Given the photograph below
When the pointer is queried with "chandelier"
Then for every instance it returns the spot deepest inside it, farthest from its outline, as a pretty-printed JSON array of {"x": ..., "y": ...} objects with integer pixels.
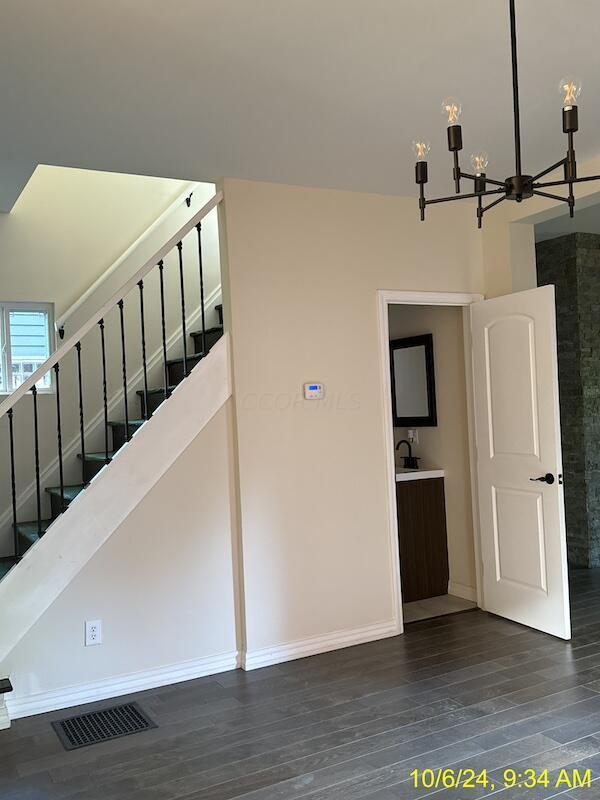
[{"x": 519, "y": 187}]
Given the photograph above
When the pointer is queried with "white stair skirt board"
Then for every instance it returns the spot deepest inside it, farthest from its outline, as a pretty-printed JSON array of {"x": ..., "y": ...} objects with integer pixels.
[
  {"x": 277, "y": 654},
  {"x": 41, "y": 702},
  {"x": 52, "y": 563},
  {"x": 460, "y": 590}
]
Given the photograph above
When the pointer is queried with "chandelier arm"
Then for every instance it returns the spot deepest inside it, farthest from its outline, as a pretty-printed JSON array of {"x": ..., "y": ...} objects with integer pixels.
[
  {"x": 558, "y": 164},
  {"x": 462, "y": 196},
  {"x": 491, "y": 205},
  {"x": 551, "y": 196},
  {"x": 515, "y": 82},
  {"x": 487, "y": 180},
  {"x": 564, "y": 182}
]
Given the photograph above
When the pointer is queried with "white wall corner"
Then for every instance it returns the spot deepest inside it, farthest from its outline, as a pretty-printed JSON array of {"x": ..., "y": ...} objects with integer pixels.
[
  {"x": 465, "y": 592},
  {"x": 277, "y": 654},
  {"x": 27, "y": 705},
  {"x": 522, "y": 256},
  {"x": 4, "y": 715}
]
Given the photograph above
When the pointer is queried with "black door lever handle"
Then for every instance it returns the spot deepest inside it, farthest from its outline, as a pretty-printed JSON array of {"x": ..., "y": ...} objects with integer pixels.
[{"x": 547, "y": 478}]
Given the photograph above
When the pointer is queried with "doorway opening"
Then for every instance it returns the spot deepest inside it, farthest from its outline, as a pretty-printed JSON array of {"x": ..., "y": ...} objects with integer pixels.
[
  {"x": 428, "y": 342},
  {"x": 431, "y": 446},
  {"x": 510, "y": 458}
]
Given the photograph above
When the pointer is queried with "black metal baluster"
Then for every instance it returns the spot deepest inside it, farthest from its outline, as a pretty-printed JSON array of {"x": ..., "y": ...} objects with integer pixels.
[
  {"x": 161, "y": 267},
  {"x": 37, "y": 459},
  {"x": 13, "y": 480},
  {"x": 81, "y": 420},
  {"x": 61, "y": 475},
  {"x": 104, "y": 391},
  {"x": 144, "y": 365},
  {"x": 200, "y": 266},
  {"x": 182, "y": 292},
  {"x": 124, "y": 364}
]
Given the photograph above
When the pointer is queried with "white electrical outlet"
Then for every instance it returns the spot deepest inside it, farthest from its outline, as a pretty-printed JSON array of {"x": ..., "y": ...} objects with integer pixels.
[
  {"x": 413, "y": 436},
  {"x": 93, "y": 632}
]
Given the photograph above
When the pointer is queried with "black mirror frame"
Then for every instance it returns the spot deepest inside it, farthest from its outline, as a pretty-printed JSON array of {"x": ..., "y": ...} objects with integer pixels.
[{"x": 429, "y": 421}]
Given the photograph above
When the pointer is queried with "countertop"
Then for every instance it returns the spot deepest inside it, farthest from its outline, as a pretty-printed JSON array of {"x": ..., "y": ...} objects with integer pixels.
[{"x": 418, "y": 474}]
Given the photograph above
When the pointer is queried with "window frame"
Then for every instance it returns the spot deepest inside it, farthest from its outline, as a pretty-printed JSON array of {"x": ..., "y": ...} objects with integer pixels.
[{"x": 5, "y": 341}]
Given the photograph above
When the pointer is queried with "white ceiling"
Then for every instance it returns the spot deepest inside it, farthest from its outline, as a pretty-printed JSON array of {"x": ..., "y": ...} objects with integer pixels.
[{"x": 314, "y": 92}]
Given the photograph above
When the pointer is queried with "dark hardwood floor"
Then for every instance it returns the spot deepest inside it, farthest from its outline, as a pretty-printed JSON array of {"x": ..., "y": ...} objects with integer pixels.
[{"x": 468, "y": 690}]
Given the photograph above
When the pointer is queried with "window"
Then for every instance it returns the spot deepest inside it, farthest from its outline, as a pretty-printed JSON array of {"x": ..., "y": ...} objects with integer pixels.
[{"x": 25, "y": 343}]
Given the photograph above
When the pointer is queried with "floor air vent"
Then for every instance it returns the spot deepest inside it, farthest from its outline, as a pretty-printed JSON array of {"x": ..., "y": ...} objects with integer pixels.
[{"x": 101, "y": 726}]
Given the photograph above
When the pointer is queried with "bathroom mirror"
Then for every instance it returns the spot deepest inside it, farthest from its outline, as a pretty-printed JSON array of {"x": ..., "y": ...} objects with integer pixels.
[{"x": 413, "y": 382}]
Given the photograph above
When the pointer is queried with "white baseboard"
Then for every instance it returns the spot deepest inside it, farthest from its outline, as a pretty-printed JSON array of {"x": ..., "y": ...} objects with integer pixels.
[
  {"x": 41, "y": 702},
  {"x": 254, "y": 659},
  {"x": 460, "y": 590}
]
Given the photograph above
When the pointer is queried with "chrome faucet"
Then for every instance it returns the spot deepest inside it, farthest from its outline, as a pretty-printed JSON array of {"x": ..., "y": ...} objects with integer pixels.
[{"x": 410, "y": 461}]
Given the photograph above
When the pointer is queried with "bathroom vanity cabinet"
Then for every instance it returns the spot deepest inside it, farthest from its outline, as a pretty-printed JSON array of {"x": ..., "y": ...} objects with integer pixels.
[{"x": 422, "y": 534}]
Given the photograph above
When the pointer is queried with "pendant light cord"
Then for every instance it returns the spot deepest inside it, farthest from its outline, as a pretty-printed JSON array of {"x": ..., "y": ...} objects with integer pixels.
[{"x": 515, "y": 80}]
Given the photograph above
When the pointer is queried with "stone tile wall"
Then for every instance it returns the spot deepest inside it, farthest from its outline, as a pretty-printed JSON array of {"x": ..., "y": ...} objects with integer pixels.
[{"x": 572, "y": 264}]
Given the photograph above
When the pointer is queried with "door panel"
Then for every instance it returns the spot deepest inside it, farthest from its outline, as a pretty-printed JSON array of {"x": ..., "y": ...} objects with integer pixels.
[
  {"x": 519, "y": 538},
  {"x": 523, "y": 540},
  {"x": 510, "y": 350}
]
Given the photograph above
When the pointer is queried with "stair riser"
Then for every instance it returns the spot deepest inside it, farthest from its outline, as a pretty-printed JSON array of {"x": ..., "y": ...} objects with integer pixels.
[
  {"x": 176, "y": 374},
  {"x": 154, "y": 400},
  {"x": 56, "y": 507},
  {"x": 91, "y": 469},
  {"x": 24, "y": 544},
  {"x": 211, "y": 339},
  {"x": 118, "y": 435}
]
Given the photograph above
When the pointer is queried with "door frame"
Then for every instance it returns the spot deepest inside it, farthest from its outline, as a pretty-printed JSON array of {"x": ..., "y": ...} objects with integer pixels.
[{"x": 385, "y": 299}]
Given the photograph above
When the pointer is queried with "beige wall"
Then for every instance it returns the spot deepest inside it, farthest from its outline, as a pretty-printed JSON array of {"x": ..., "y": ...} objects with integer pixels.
[
  {"x": 304, "y": 269},
  {"x": 447, "y": 445},
  {"x": 162, "y": 584}
]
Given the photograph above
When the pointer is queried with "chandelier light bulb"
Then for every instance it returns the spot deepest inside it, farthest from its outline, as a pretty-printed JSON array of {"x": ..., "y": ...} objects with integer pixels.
[
  {"x": 570, "y": 88},
  {"x": 452, "y": 108},
  {"x": 479, "y": 162},
  {"x": 421, "y": 149}
]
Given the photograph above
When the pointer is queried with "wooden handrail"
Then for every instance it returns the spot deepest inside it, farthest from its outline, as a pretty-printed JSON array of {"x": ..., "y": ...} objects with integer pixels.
[{"x": 70, "y": 343}]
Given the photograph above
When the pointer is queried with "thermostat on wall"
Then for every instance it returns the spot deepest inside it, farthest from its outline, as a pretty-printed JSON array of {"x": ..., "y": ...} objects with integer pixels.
[{"x": 313, "y": 391}]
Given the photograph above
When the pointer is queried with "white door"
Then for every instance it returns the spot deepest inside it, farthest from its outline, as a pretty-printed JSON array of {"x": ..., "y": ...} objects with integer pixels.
[{"x": 523, "y": 538}]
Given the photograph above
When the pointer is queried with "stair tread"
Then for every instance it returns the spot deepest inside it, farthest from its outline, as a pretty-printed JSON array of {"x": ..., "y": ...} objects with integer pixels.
[
  {"x": 156, "y": 391},
  {"x": 96, "y": 456},
  {"x": 70, "y": 492},
  {"x": 190, "y": 357},
  {"x": 26, "y": 528},
  {"x": 214, "y": 329},
  {"x": 132, "y": 422},
  {"x": 28, "y": 531}
]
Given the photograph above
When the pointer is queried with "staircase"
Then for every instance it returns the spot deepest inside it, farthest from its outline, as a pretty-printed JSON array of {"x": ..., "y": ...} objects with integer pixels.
[
  {"x": 195, "y": 345},
  {"x": 28, "y": 533}
]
